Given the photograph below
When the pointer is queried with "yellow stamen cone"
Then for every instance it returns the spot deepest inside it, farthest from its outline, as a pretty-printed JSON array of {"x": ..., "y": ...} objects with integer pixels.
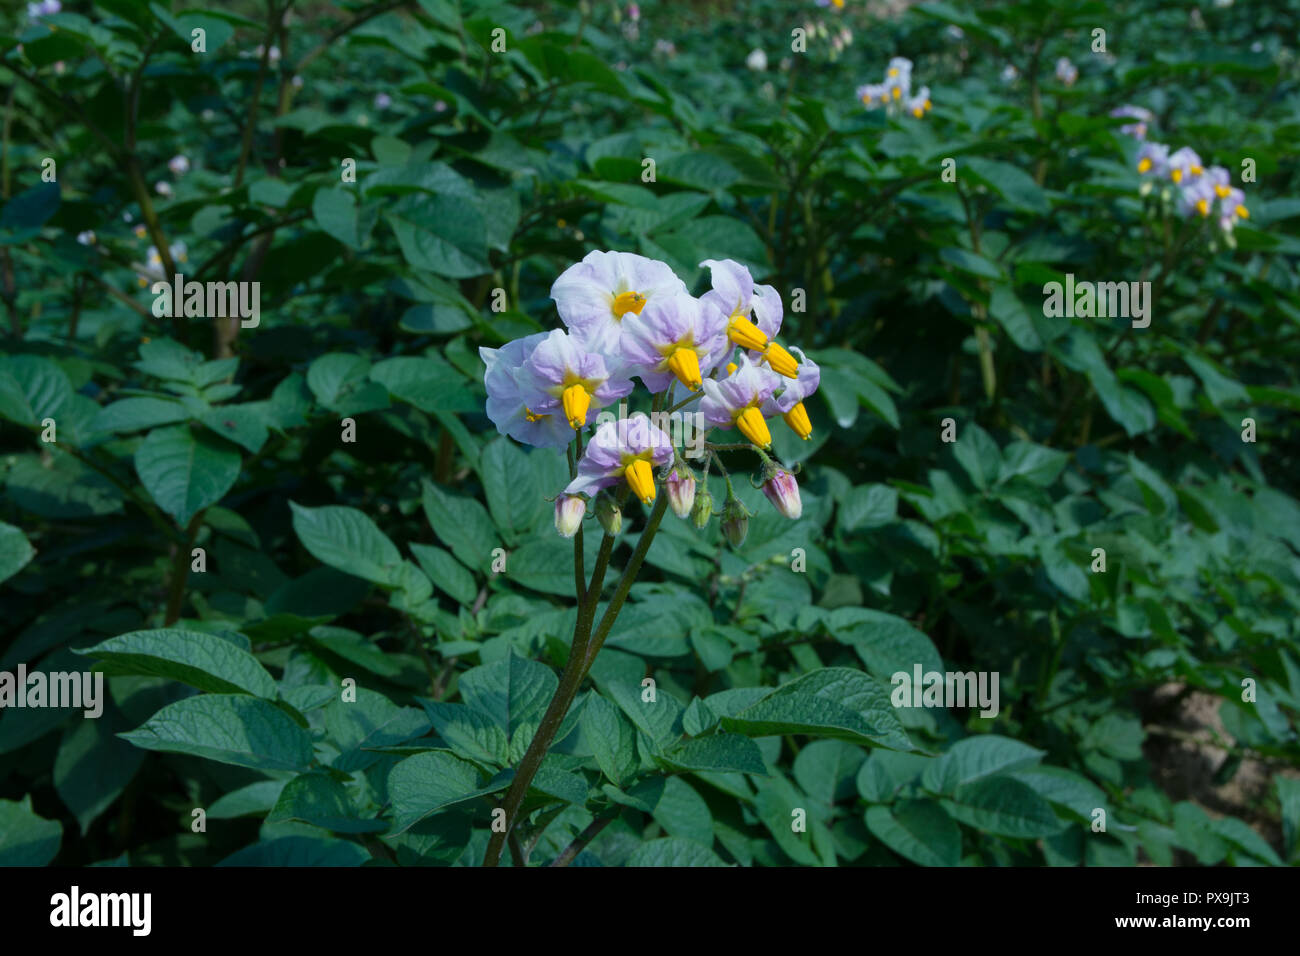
[
  {"x": 746, "y": 334},
  {"x": 685, "y": 364},
  {"x": 1144, "y": 164},
  {"x": 1222, "y": 191},
  {"x": 897, "y": 93},
  {"x": 731, "y": 368},
  {"x": 640, "y": 478},
  {"x": 782, "y": 362},
  {"x": 1197, "y": 170},
  {"x": 626, "y": 302},
  {"x": 531, "y": 415},
  {"x": 798, "y": 420},
  {"x": 576, "y": 402},
  {"x": 1176, "y": 175},
  {"x": 752, "y": 426},
  {"x": 1203, "y": 207},
  {"x": 1243, "y": 212}
]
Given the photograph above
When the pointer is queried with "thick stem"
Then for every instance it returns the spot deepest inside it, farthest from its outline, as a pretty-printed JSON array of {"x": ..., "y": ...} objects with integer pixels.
[{"x": 581, "y": 656}]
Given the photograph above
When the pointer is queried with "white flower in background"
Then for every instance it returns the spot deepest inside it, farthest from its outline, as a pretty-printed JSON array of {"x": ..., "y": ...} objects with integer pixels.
[
  {"x": 140, "y": 231},
  {"x": 1066, "y": 71},
  {"x": 296, "y": 81},
  {"x": 163, "y": 188},
  {"x": 665, "y": 48},
  {"x": 179, "y": 165},
  {"x": 383, "y": 101},
  {"x": 1010, "y": 74},
  {"x": 86, "y": 238},
  {"x": 43, "y": 9},
  {"x": 954, "y": 32},
  {"x": 757, "y": 60}
]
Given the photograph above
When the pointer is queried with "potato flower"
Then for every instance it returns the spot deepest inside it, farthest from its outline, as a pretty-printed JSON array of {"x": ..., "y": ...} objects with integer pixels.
[
  {"x": 595, "y": 295},
  {"x": 736, "y": 401},
  {"x": 675, "y": 336},
  {"x": 571, "y": 378},
  {"x": 735, "y": 293},
  {"x": 628, "y": 449}
]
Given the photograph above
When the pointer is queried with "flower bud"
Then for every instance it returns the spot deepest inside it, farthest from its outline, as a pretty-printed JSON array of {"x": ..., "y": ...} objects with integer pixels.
[
  {"x": 569, "y": 510},
  {"x": 703, "y": 508},
  {"x": 783, "y": 491},
  {"x": 608, "y": 514},
  {"x": 735, "y": 522},
  {"x": 681, "y": 491}
]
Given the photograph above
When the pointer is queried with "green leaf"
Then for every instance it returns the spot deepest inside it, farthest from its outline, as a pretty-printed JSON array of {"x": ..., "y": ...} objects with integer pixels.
[
  {"x": 659, "y": 719},
  {"x": 242, "y": 424},
  {"x": 201, "y": 660},
  {"x": 612, "y": 740},
  {"x": 25, "y": 838},
  {"x": 917, "y": 830},
  {"x": 512, "y": 693},
  {"x": 868, "y": 506},
  {"x": 15, "y": 551},
  {"x": 322, "y": 801},
  {"x": 429, "y": 384},
  {"x": 346, "y": 539},
  {"x": 1010, "y": 182},
  {"x": 978, "y": 454},
  {"x": 835, "y": 702},
  {"x": 720, "y": 753},
  {"x": 673, "y": 851},
  {"x": 471, "y": 734},
  {"x": 32, "y": 389},
  {"x": 22, "y": 217},
  {"x": 977, "y": 757},
  {"x": 228, "y": 728},
  {"x": 511, "y": 486},
  {"x": 94, "y": 766},
  {"x": 298, "y": 851},
  {"x": 185, "y": 472},
  {"x": 1035, "y": 463},
  {"x": 827, "y": 769},
  {"x": 424, "y": 783},
  {"x": 463, "y": 525},
  {"x": 137, "y": 414},
  {"x": 335, "y": 211},
  {"x": 447, "y": 574},
  {"x": 1005, "y": 806}
]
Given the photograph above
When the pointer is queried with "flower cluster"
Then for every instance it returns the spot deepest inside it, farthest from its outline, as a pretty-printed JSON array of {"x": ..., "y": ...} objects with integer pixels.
[
  {"x": 628, "y": 317},
  {"x": 1183, "y": 180},
  {"x": 895, "y": 93},
  {"x": 1066, "y": 72}
]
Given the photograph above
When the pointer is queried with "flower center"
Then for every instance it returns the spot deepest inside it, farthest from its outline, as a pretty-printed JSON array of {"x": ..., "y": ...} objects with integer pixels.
[
  {"x": 533, "y": 416},
  {"x": 685, "y": 364},
  {"x": 576, "y": 401},
  {"x": 626, "y": 302}
]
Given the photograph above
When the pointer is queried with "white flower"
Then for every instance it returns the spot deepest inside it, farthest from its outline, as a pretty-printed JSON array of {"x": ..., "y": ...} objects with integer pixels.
[
  {"x": 179, "y": 165},
  {"x": 163, "y": 188},
  {"x": 86, "y": 238},
  {"x": 757, "y": 60}
]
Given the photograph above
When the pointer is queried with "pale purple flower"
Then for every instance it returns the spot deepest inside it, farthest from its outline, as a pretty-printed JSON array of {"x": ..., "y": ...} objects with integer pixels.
[
  {"x": 571, "y": 378},
  {"x": 1153, "y": 159},
  {"x": 179, "y": 165},
  {"x": 873, "y": 95},
  {"x": 629, "y": 448},
  {"x": 737, "y": 400},
  {"x": 163, "y": 188},
  {"x": 1143, "y": 117},
  {"x": 783, "y": 491},
  {"x": 1184, "y": 165},
  {"x": 595, "y": 295},
  {"x": 510, "y": 389},
  {"x": 383, "y": 101},
  {"x": 633, "y": 12},
  {"x": 1066, "y": 72},
  {"x": 676, "y": 336}
]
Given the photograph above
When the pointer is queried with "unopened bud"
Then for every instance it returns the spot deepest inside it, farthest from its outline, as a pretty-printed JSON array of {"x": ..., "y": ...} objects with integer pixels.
[
  {"x": 681, "y": 491},
  {"x": 608, "y": 514},
  {"x": 569, "y": 510},
  {"x": 703, "y": 508},
  {"x": 735, "y": 522},
  {"x": 783, "y": 491}
]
